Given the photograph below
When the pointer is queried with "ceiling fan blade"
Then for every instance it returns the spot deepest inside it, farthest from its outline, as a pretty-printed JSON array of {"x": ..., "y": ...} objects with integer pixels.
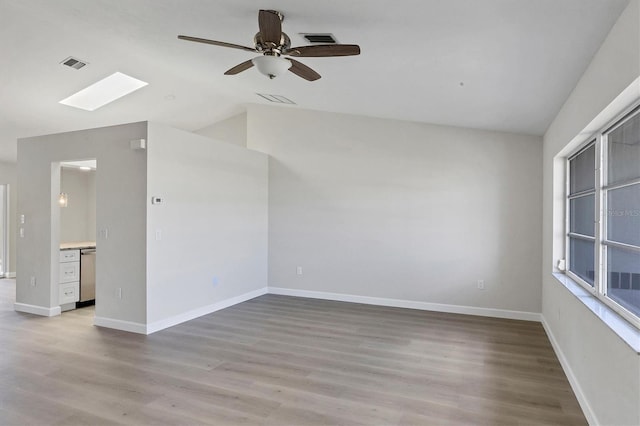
[
  {"x": 216, "y": 43},
  {"x": 301, "y": 70},
  {"x": 320, "y": 50},
  {"x": 270, "y": 25},
  {"x": 239, "y": 68}
]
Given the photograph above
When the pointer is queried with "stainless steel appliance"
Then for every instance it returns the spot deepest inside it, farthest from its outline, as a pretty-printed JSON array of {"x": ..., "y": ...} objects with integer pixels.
[{"x": 87, "y": 276}]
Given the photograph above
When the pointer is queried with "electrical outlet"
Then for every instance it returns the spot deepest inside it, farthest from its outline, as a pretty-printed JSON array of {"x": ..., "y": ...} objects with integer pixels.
[
  {"x": 158, "y": 234},
  {"x": 104, "y": 233},
  {"x": 32, "y": 281},
  {"x": 119, "y": 293},
  {"x": 21, "y": 232},
  {"x": 480, "y": 284},
  {"x": 299, "y": 270}
]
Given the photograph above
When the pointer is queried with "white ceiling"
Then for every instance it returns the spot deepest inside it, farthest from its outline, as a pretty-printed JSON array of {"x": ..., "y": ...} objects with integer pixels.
[{"x": 518, "y": 60}]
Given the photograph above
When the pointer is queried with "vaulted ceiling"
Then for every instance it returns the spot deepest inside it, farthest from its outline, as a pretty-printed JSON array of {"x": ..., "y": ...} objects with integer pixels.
[{"x": 492, "y": 64}]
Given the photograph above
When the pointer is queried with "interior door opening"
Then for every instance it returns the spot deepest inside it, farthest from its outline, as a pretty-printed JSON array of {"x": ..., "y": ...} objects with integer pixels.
[{"x": 77, "y": 203}]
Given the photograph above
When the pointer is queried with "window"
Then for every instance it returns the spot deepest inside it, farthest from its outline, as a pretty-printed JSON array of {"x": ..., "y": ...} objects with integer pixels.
[
  {"x": 603, "y": 216},
  {"x": 582, "y": 208}
]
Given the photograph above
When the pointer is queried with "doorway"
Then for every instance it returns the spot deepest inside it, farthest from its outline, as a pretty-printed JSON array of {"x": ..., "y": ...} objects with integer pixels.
[{"x": 77, "y": 234}]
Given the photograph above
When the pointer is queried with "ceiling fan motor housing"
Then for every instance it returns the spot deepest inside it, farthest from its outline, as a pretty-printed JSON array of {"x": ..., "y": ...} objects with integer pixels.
[{"x": 262, "y": 46}]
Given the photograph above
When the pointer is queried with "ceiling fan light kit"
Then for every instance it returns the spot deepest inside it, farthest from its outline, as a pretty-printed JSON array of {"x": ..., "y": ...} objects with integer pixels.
[
  {"x": 272, "y": 66},
  {"x": 272, "y": 43}
]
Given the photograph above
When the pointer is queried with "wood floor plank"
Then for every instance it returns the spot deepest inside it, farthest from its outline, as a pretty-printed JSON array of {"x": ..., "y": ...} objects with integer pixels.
[{"x": 278, "y": 360}]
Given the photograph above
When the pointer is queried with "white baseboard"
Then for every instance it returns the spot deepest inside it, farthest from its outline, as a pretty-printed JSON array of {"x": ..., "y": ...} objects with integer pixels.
[
  {"x": 132, "y": 327},
  {"x": 139, "y": 328},
  {"x": 10, "y": 274},
  {"x": 410, "y": 304},
  {"x": 37, "y": 310},
  {"x": 195, "y": 313},
  {"x": 573, "y": 381}
]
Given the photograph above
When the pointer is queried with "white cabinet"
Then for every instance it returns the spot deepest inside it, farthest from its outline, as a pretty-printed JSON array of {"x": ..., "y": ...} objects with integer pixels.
[
  {"x": 69, "y": 272},
  {"x": 69, "y": 277},
  {"x": 68, "y": 293},
  {"x": 69, "y": 256}
]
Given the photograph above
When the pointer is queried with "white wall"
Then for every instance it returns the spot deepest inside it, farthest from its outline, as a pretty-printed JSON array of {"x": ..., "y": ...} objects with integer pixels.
[
  {"x": 77, "y": 220},
  {"x": 8, "y": 175},
  {"x": 121, "y": 208},
  {"x": 605, "y": 371},
  {"x": 213, "y": 225},
  {"x": 211, "y": 246},
  {"x": 401, "y": 210},
  {"x": 232, "y": 130}
]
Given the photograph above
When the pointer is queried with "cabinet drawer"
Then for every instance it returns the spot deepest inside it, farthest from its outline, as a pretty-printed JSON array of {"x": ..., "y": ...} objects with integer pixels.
[
  {"x": 69, "y": 293},
  {"x": 69, "y": 272},
  {"x": 69, "y": 255}
]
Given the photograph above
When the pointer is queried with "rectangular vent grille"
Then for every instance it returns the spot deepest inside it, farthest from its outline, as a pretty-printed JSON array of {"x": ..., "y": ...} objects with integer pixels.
[
  {"x": 276, "y": 98},
  {"x": 316, "y": 38},
  {"x": 74, "y": 63}
]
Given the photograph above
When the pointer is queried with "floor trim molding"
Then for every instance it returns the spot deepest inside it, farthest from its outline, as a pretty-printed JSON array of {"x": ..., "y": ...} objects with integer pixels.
[
  {"x": 130, "y": 326},
  {"x": 573, "y": 381},
  {"x": 205, "y": 310},
  {"x": 37, "y": 310},
  {"x": 409, "y": 304}
]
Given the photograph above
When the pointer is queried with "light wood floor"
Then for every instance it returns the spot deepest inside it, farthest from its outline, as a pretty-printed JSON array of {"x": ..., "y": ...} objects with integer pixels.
[{"x": 282, "y": 361}]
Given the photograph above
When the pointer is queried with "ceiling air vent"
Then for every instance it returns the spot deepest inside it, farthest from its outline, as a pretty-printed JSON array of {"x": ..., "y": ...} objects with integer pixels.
[
  {"x": 319, "y": 38},
  {"x": 74, "y": 63},
  {"x": 276, "y": 98}
]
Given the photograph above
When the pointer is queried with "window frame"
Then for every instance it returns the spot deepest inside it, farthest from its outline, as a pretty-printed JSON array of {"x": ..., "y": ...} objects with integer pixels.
[
  {"x": 600, "y": 141},
  {"x": 568, "y": 234}
]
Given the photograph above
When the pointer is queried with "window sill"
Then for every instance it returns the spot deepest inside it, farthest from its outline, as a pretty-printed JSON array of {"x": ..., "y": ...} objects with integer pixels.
[{"x": 626, "y": 331}]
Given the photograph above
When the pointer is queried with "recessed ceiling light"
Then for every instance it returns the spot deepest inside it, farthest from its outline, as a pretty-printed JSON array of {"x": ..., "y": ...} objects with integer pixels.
[
  {"x": 79, "y": 165},
  {"x": 104, "y": 91}
]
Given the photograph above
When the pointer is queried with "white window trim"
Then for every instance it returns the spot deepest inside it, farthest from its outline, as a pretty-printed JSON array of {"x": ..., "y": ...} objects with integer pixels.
[{"x": 598, "y": 290}]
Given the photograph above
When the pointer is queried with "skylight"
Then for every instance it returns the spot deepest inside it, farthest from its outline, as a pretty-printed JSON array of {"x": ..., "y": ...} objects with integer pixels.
[{"x": 104, "y": 91}]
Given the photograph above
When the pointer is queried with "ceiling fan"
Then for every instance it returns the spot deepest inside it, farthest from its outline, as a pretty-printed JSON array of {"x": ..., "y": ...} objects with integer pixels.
[{"x": 273, "y": 44}]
